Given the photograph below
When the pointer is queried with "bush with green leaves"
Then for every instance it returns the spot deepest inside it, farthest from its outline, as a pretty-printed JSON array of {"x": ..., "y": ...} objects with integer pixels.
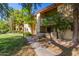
[
  {"x": 28, "y": 34},
  {"x": 58, "y": 22},
  {"x": 4, "y": 28}
]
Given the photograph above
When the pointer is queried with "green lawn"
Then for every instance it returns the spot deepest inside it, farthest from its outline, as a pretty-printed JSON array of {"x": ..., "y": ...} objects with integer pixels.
[{"x": 10, "y": 43}]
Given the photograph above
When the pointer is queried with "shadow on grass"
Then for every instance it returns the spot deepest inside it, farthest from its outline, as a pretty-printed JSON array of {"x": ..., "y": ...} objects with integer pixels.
[{"x": 9, "y": 46}]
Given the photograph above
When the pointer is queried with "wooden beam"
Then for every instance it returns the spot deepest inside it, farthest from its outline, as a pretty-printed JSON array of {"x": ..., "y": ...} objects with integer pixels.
[{"x": 51, "y": 7}]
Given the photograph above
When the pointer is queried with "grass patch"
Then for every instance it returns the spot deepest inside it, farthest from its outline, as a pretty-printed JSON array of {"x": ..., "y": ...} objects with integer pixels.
[{"x": 10, "y": 43}]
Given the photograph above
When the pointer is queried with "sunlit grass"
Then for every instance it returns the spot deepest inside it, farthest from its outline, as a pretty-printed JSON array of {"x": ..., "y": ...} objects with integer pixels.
[
  {"x": 10, "y": 35},
  {"x": 10, "y": 43}
]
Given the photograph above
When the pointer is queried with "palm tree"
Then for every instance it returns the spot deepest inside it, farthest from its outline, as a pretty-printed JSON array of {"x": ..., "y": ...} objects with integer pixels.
[
  {"x": 4, "y": 11},
  {"x": 11, "y": 19},
  {"x": 17, "y": 20},
  {"x": 30, "y": 19}
]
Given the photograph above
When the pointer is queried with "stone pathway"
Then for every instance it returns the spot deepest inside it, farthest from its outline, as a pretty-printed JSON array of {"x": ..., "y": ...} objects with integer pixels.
[
  {"x": 43, "y": 52},
  {"x": 39, "y": 49}
]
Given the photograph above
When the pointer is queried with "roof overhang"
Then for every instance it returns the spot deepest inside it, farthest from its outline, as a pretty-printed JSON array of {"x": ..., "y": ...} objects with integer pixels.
[{"x": 51, "y": 7}]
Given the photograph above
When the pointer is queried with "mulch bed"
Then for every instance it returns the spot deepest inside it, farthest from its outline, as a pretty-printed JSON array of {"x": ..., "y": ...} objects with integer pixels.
[{"x": 26, "y": 51}]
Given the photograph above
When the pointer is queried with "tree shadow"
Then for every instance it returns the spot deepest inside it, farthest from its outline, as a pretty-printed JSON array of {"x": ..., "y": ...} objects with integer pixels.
[{"x": 67, "y": 51}]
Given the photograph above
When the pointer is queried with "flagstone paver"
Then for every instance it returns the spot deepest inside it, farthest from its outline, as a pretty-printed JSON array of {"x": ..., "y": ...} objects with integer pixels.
[
  {"x": 43, "y": 52},
  {"x": 39, "y": 49}
]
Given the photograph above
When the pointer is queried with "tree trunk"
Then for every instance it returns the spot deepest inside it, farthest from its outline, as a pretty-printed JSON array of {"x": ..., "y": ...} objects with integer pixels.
[
  {"x": 10, "y": 25},
  {"x": 56, "y": 33},
  {"x": 33, "y": 28},
  {"x": 23, "y": 31},
  {"x": 62, "y": 35},
  {"x": 75, "y": 20},
  {"x": 13, "y": 26}
]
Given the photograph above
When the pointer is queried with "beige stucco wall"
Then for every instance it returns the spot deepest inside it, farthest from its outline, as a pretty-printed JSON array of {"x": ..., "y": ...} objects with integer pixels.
[
  {"x": 27, "y": 28},
  {"x": 68, "y": 34}
]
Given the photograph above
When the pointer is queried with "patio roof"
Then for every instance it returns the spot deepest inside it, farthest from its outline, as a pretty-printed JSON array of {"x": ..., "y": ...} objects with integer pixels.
[{"x": 51, "y": 7}]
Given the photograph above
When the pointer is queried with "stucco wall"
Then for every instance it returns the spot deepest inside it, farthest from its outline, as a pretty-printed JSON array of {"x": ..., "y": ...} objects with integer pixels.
[{"x": 27, "y": 28}]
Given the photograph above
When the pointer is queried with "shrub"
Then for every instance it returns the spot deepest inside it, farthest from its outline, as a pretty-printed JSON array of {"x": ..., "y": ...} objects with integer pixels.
[
  {"x": 27, "y": 34},
  {"x": 4, "y": 28}
]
